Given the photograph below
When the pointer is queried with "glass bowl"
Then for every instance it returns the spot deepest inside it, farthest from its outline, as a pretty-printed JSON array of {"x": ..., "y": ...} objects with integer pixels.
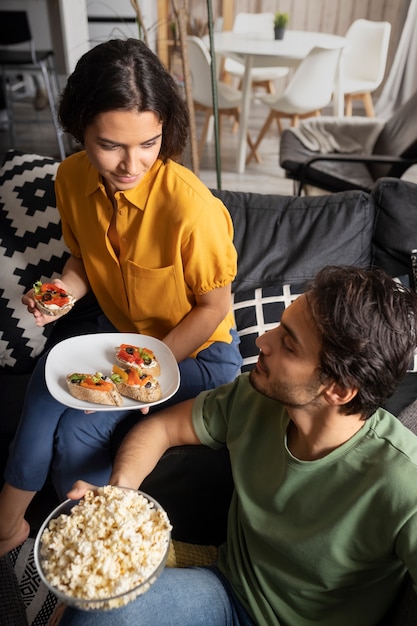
[{"x": 77, "y": 561}]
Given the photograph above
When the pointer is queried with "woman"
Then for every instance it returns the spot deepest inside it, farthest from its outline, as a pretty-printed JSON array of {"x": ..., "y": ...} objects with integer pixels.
[{"x": 152, "y": 244}]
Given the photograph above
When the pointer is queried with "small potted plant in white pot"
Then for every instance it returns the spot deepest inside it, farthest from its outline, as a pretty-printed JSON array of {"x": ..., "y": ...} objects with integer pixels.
[{"x": 280, "y": 24}]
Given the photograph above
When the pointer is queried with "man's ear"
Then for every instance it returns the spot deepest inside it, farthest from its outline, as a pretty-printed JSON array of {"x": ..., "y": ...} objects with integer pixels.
[{"x": 336, "y": 394}]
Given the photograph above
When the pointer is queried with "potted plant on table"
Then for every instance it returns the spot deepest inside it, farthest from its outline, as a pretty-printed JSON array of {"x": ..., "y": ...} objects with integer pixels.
[{"x": 280, "y": 24}]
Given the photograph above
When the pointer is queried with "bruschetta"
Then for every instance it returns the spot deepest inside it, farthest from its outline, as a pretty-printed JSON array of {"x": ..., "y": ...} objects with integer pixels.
[
  {"x": 142, "y": 359},
  {"x": 51, "y": 299},
  {"x": 136, "y": 384},
  {"x": 96, "y": 388}
]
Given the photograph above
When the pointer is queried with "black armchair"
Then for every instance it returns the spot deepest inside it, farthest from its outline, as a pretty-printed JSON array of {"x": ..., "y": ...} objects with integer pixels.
[{"x": 313, "y": 154}]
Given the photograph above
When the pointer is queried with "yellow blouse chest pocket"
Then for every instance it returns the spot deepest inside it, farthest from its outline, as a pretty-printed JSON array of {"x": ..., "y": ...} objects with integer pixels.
[{"x": 157, "y": 297}]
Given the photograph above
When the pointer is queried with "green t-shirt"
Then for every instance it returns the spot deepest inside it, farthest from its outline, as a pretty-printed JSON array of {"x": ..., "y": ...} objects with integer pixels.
[{"x": 323, "y": 542}]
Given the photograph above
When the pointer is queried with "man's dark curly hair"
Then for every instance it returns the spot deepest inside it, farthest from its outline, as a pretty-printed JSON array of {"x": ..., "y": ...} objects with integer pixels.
[
  {"x": 124, "y": 75},
  {"x": 368, "y": 323}
]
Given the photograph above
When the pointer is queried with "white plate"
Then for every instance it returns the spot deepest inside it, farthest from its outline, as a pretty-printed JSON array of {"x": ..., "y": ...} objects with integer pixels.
[{"x": 88, "y": 354}]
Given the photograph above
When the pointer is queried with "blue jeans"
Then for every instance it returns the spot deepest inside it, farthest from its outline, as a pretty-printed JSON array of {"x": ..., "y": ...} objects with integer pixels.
[
  {"x": 76, "y": 445},
  {"x": 197, "y": 596}
]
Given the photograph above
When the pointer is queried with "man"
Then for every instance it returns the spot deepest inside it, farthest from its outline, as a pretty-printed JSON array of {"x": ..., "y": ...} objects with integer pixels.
[{"x": 323, "y": 521}]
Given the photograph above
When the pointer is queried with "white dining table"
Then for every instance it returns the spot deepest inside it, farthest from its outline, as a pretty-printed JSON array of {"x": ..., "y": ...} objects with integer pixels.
[{"x": 287, "y": 52}]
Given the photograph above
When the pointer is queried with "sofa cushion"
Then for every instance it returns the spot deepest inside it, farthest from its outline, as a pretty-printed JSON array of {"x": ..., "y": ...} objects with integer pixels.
[
  {"x": 287, "y": 239},
  {"x": 272, "y": 272},
  {"x": 394, "y": 240},
  {"x": 395, "y": 235},
  {"x": 31, "y": 248}
]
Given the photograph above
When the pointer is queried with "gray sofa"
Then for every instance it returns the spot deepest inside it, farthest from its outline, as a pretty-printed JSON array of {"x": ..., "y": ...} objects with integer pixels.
[{"x": 281, "y": 241}]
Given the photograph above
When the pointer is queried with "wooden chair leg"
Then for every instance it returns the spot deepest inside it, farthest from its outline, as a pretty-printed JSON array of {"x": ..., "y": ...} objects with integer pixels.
[
  {"x": 236, "y": 119},
  {"x": 252, "y": 150},
  {"x": 348, "y": 105},
  {"x": 270, "y": 86},
  {"x": 204, "y": 133},
  {"x": 236, "y": 115},
  {"x": 264, "y": 130},
  {"x": 369, "y": 106}
]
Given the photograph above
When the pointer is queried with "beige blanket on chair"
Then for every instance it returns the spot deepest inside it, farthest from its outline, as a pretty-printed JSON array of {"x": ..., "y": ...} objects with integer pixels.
[{"x": 345, "y": 134}]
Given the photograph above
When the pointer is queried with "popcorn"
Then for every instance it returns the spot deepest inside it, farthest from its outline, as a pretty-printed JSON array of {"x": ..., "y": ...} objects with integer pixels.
[{"x": 112, "y": 542}]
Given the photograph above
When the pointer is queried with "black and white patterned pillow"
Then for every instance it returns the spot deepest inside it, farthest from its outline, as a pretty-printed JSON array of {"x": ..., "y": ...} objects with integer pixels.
[
  {"x": 37, "y": 601},
  {"x": 259, "y": 310},
  {"x": 31, "y": 248}
]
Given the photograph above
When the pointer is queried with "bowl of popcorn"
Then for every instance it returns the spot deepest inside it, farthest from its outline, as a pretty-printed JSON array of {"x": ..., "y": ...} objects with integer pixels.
[{"x": 102, "y": 551}]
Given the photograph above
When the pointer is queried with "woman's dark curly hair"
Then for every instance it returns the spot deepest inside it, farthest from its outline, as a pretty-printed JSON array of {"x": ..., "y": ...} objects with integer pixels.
[
  {"x": 368, "y": 323},
  {"x": 124, "y": 74}
]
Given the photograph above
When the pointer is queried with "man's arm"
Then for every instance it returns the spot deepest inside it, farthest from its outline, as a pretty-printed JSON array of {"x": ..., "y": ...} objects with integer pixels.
[{"x": 144, "y": 445}]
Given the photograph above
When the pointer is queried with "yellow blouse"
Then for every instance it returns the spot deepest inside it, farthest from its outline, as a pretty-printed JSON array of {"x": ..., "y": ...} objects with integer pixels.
[{"x": 176, "y": 241}]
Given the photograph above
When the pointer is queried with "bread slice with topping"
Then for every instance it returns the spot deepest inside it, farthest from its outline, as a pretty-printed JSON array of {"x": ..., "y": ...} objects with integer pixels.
[
  {"x": 136, "y": 384},
  {"x": 96, "y": 388},
  {"x": 51, "y": 299},
  {"x": 142, "y": 359}
]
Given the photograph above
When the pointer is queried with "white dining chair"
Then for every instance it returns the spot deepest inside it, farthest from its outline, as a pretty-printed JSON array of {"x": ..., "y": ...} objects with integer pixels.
[
  {"x": 229, "y": 98},
  {"x": 364, "y": 61},
  {"x": 257, "y": 25},
  {"x": 308, "y": 92}
]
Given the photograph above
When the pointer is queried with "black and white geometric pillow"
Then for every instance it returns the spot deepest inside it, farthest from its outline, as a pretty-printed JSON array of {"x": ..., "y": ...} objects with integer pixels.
[
  {"x": 39, "y": 603},
  {"x": 31, "y": 249},
  {"x": 259, "y": 310}
]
